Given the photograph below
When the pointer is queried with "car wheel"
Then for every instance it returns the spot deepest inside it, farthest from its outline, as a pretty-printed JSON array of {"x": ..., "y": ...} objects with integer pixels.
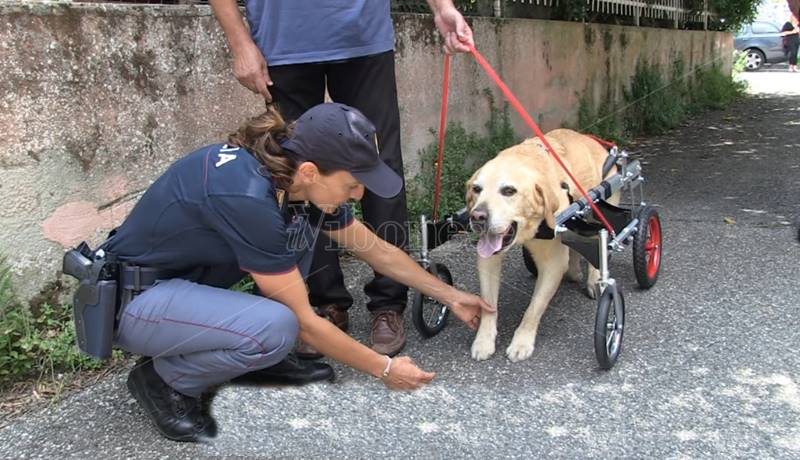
[{"x": 755, "y": 59}]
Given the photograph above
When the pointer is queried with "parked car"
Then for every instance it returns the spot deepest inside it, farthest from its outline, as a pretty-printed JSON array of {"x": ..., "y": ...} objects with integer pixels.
[{"x": 762, "y": 43}]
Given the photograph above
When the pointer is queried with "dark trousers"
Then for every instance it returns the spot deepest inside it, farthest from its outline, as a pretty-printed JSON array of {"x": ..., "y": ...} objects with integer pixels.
[
  {"x": 790, "y": 50},
  {"x": 368, "y": 84}
]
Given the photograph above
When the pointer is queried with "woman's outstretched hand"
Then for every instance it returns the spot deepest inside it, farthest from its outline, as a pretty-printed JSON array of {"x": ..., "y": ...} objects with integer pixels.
[{"x": 404, "y": 374}]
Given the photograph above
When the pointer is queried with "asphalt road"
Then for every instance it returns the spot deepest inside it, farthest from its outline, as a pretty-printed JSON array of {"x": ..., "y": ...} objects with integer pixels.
[{"x": 709, "y": 367}]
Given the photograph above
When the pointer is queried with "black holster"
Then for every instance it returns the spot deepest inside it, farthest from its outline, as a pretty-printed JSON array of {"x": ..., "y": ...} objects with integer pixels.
[{"x": 94, "y": 305}]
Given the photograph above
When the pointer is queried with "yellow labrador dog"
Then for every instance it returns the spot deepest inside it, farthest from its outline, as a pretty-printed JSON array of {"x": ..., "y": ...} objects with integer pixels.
[{"x": 508, "y": 198}]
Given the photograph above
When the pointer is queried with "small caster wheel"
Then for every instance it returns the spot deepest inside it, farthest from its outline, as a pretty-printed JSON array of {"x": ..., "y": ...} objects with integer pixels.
[
  {"x": 429, "y": 315},
  {"x": 608, "y": 327}
]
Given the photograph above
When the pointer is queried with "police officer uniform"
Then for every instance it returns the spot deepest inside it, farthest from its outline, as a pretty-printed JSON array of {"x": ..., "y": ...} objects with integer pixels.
[{"x": 213, "y": 216}]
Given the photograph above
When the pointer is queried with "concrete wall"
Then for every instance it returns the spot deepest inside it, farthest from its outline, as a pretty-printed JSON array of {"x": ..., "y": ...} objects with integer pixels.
[
  {"x": 549, "y": 65},
  {"x": 96, "y": 100}
]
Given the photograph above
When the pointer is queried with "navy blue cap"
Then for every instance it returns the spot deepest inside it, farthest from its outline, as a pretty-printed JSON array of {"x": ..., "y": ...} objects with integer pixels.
[{"x": 338, "y": 137}]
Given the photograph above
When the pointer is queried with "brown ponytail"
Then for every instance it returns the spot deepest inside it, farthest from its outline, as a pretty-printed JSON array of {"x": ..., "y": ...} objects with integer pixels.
[{"x": 262, "y": 136}]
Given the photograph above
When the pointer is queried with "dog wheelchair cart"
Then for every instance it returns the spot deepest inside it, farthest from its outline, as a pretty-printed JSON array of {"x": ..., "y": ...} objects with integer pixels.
[{"x": 636, "y": 224}]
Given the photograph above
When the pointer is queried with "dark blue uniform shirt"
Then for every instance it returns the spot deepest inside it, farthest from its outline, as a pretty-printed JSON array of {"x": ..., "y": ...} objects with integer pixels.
[{"x": 217, "y": 209}]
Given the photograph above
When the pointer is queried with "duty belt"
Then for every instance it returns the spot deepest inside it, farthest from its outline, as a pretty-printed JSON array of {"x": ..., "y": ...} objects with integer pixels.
[{"x": 135, "y": 279}]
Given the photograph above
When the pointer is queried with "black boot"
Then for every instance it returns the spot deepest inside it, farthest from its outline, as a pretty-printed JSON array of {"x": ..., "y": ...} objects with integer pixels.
[
  {"x": 290, "y": 371},
  {"x": 175, "y": 415}
]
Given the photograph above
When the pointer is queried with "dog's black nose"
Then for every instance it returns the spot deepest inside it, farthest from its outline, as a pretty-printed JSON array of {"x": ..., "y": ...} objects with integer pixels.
[
  {"x": 478, "y": 215},
  {"x": 478, "y": 219}
]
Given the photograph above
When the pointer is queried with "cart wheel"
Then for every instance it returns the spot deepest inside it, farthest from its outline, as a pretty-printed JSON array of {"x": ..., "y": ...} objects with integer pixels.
[
  {"x": 608, "y": 327},
  {"x": 529, "y": 263},
  {"x": 647, "y": 247},
  {"x": 429, "y": 315}
]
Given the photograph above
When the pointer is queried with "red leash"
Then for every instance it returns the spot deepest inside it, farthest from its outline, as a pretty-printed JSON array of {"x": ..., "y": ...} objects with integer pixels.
[
  {"x": 528, "y": 120},
  {"x": 442, "y": 129}
]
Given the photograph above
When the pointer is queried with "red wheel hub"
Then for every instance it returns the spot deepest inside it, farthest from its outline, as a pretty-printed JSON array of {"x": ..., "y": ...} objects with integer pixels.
[{"x": 653, "y": 246}]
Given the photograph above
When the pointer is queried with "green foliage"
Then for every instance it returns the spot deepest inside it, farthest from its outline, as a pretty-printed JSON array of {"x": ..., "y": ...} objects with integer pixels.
[
  {"x": 606, "y": 121},
  {"x": 739, "y": 62},
  {"x": 6, "y": 291},
  {"x": 734, "y": 12},
  {"x": 246, "y": 284},
  {"x": 655, "y": 104},
  {"x": 713, "y": 89},
  {"x": 42, "y": 344},
  {"x": 573, "y": 10},
  {"x": 464, "y": 153}
]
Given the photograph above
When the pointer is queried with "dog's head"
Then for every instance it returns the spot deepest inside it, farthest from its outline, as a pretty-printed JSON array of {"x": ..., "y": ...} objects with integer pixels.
[{"x": 507, "y": 200}]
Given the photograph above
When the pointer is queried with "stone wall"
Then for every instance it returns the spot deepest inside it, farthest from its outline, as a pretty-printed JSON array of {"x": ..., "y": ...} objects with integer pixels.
[{"x": 97, "y": 99}]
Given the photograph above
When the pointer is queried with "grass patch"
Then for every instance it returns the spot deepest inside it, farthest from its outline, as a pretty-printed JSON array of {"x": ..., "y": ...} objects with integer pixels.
[
  {"x": 605, "y": 121},
  {"x": 712, "y": 89},
  {"x": 654, "y": 104},
  {"x": 39, "y": 345},
  {"x": 739, "y": 62}
]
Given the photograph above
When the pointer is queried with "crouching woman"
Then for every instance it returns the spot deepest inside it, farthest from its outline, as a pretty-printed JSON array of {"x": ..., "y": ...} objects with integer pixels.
[{"x": 254, "y": 206}]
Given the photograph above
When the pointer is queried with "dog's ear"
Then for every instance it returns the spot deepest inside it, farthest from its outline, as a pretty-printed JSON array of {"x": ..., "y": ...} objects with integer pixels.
[
  {"x": 549, "y": 204},
  {"x": 470, "y": 193}
]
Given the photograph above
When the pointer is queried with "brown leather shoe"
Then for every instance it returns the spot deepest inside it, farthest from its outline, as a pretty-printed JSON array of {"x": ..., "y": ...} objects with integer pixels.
[
  {"x": 388, "y": 334},
  {"x": 332, "y": 313}
]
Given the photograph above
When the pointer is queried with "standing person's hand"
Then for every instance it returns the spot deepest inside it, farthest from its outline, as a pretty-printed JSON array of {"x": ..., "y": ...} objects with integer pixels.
[
  {"x": 405, "y": 375},
  {"x": 469, "y": 307},
  {"x": 455, "y": 30},
  {"x": 250, "y": 68}
]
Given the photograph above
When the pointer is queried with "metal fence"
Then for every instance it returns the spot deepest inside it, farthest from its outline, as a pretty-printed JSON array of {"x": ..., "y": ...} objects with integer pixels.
[
  {"x": 652, "y": 13},
  {"x": 676, "y": 11}
]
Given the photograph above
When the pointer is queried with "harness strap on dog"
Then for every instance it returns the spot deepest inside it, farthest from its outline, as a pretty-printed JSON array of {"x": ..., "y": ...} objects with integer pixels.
[
  {"x": 606, "y": 144},
  {"x": 612, "y": 157}
]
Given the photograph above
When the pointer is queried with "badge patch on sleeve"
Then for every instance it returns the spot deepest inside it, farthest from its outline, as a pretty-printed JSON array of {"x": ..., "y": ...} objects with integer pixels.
[{"x": 225, "y": 156}]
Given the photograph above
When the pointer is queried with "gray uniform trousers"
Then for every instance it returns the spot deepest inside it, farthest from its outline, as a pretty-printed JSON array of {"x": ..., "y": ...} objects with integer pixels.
[{"x": 200, "y": 336}]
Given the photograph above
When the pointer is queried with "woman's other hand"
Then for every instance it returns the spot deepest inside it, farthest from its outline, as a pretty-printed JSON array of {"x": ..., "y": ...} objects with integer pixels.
[{"x": 469, "y": 308}]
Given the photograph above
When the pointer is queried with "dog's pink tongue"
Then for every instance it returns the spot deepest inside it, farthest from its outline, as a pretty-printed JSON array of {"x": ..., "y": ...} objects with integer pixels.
[{"x": 489, "y": 244}]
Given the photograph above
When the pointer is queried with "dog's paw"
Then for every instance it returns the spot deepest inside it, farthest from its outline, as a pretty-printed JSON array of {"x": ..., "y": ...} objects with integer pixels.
[
  {"x": 592, "y": 287},
  {"x": 592, "y": 291},
  {"x": 482, "y": 348},
  {"x": 520, "y": 349}
]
